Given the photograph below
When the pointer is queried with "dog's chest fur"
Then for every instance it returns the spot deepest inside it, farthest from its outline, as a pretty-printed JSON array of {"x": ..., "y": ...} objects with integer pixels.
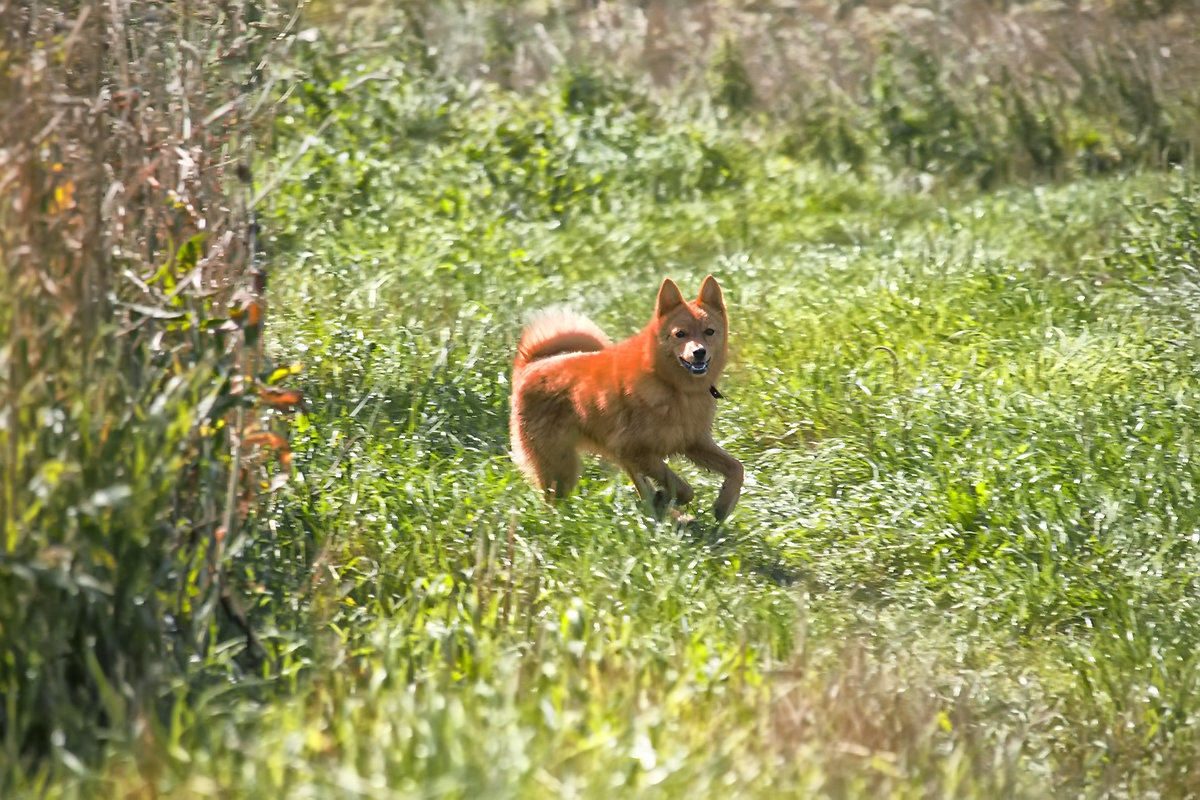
[{"x": 664, "y": 420}]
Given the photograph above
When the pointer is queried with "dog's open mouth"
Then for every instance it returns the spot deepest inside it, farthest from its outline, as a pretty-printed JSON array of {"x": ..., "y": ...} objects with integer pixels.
[{"x": 694, "y": 367}]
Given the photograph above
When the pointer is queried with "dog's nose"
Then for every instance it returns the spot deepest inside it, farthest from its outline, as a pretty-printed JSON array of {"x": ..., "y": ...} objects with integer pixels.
[{"x": 698, "y": 355}]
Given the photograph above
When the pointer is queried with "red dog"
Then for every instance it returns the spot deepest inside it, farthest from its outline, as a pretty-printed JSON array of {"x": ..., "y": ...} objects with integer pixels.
[{"x": 636, "y": 402}]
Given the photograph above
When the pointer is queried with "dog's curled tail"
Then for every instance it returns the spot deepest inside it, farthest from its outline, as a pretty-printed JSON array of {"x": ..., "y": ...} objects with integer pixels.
[{"x": 556, "y": 331}]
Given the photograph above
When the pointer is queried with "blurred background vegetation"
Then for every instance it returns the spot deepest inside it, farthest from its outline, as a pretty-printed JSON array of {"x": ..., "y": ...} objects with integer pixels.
[
  {"x": 984, "y": 91},
  {"x": 176, "y": 560}
]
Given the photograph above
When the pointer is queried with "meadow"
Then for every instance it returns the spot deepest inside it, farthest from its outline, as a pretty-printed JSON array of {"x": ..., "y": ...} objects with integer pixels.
[{"x": 967, "y": 559}]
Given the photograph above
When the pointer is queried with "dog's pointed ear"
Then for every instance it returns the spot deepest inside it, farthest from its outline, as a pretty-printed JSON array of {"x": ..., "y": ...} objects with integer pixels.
[
  {"x": 669, "y": 297},
  {"x": 710, "y": 294}
]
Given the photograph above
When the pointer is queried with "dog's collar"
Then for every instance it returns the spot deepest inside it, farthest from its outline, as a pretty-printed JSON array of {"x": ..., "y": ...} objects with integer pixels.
[{"x": 715, "y": 393}]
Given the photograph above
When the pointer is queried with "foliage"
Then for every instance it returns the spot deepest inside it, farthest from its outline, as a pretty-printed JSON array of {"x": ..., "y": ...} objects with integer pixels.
[
  {"x": 132, "y": 322},
  {"x": 990, "y": 92},
  {"x": 964, "y": 564}
]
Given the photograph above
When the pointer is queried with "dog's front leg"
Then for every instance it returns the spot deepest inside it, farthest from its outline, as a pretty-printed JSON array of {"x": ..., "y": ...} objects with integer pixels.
[{"x": 712, "y": 457}]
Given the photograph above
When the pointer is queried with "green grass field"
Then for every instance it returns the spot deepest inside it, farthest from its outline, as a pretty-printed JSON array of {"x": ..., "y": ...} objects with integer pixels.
[{"x": 965, "y": 564}]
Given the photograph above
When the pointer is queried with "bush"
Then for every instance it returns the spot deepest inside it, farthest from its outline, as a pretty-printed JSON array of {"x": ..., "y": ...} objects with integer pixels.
[{"x": 133, "y": 308}]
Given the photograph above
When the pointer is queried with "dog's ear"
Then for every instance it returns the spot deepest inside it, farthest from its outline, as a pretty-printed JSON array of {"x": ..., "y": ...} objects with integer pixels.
[
  {"x": 669, "y": 297},
  {"x": 710, "y": 294}
]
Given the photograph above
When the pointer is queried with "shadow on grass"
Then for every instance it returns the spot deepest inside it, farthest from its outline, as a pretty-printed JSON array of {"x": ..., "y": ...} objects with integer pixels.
[{"x": 759, "y": 557}]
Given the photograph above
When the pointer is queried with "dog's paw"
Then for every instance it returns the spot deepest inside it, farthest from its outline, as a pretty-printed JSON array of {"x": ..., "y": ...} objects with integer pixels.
[
  {"x": 680, "y": 518},
  {"x": 657, "y": 505}
]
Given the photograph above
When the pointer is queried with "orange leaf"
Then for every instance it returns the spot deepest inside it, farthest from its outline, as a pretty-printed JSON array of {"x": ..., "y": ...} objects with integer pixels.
[
  {"x": 266, "y": 439},
  {"x": 279, "y": 444},
  {"x": 247, "y": 308},
  {"x": 64, "y": 197},
  {"x": 282, "y": 399}
]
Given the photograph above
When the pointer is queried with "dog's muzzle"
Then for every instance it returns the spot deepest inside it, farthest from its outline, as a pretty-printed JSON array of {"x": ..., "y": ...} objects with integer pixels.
[{"x": 696, "y": 368}]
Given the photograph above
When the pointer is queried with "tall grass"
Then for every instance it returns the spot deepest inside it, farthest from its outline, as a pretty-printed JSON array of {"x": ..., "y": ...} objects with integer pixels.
[
  {"x": 986, "y": 91},
  {"x": 964, "y": 563},
  {"x": 132, "y": 308}
]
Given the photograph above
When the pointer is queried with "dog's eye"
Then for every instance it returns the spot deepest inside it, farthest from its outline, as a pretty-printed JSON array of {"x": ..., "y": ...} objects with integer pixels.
[
  {"x": 680, "y": 334},
  {"x": 709, "y": 331}
]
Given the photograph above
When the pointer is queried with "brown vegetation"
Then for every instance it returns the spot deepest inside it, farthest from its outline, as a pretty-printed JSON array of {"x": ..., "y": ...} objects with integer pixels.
[{"x": 131, "y": 313}]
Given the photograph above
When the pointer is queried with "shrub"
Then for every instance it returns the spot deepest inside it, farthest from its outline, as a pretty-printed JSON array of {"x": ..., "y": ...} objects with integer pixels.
[{"x": 132, "y": 312}]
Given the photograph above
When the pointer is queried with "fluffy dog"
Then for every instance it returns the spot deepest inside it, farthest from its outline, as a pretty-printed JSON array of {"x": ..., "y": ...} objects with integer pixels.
[{"x": 636, "y": 402}]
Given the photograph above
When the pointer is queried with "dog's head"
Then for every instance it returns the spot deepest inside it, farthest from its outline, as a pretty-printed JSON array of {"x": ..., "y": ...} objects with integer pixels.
[{"x": 692, "y": 337}]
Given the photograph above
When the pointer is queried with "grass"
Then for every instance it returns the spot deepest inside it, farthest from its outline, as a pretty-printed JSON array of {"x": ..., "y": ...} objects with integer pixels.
[
  {"x": 962, "y": 566},
  {"x": 964, "y": 563}
]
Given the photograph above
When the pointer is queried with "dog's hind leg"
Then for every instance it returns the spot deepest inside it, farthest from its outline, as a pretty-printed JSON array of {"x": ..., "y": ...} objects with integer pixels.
[
  {"x": 544, "y": 449},
  {"x": 557, "y": 468},
  {"x": 564, "y": 480},
  {"x": 673, "y": 489}
]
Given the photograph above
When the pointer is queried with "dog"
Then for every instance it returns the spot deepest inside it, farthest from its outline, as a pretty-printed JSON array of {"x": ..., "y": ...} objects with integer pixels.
[{"x": 636, "y": 402}]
